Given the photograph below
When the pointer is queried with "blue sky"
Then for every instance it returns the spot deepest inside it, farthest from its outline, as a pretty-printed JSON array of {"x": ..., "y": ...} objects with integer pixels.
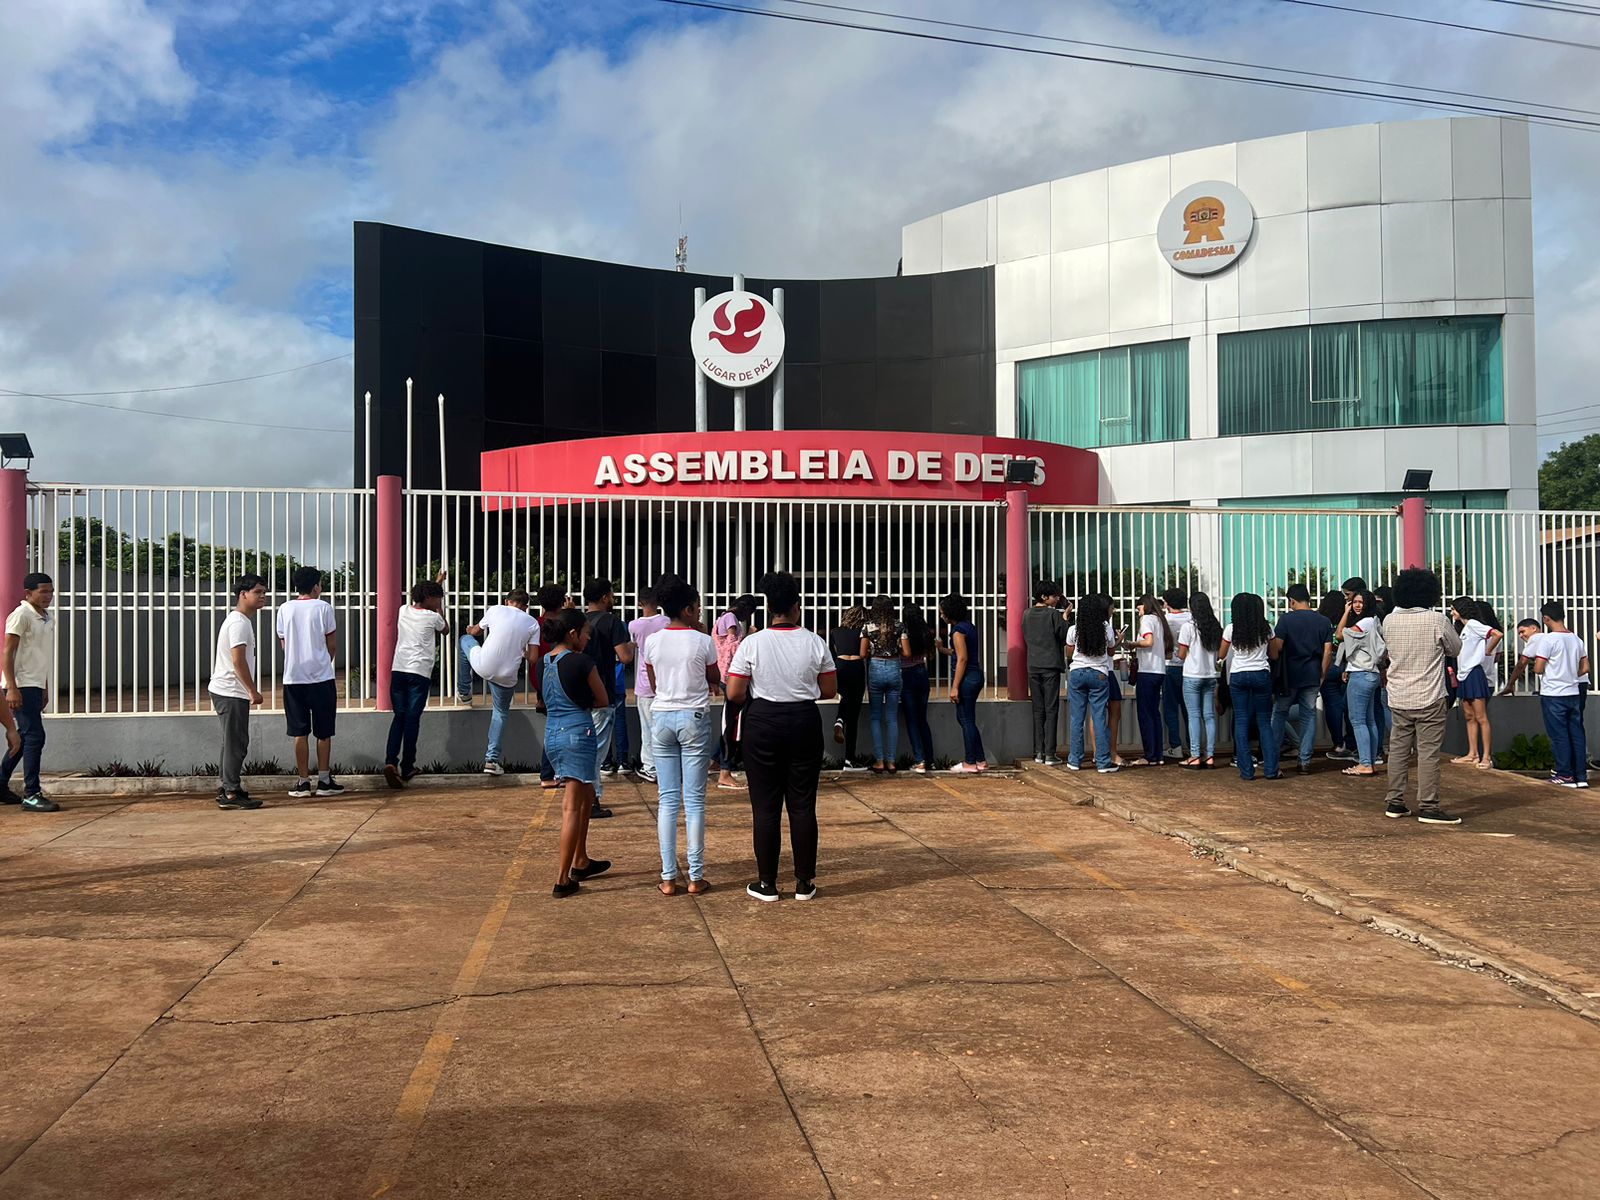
[{"x": 184, "y": 175}]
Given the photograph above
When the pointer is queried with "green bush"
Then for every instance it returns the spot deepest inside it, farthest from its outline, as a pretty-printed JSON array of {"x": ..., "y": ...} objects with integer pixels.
[{"x": 1527, "y": 754}]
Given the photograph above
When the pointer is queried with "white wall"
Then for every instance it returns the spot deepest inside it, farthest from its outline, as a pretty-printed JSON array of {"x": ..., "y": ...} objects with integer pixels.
[{"x": 1407, "y": 219}]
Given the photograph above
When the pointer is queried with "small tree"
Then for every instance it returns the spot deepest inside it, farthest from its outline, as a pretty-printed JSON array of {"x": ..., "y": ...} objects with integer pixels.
[{"x": 1570, "y": 478}]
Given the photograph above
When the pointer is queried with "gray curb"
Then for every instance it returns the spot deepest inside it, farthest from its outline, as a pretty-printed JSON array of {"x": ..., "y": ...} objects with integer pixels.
[{"x": 1339, "y": 903}]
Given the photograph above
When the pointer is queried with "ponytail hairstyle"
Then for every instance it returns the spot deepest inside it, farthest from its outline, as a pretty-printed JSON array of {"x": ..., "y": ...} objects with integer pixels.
[
  {"x": 1207, "y": 625},
  {"x": 562, "y": 624},
  {"x": 782, "y": 592},
  {"x": 883, "y": 627},
  {"x": 1250, "y": 628},
  {"x": 1091, "y": 626},
  {"x": 1151, "y": 607}
]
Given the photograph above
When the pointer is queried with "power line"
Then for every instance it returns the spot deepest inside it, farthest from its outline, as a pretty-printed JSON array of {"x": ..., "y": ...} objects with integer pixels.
[
  {"x": 1225, "y": 76},
  {"x": 1200, "y": 58},
  {"x": 147, "y": 412},
  {"x": 1568, "y": 7},
  {"x": 181, "y": 387},
  {"x": 1510, "y": 33}
]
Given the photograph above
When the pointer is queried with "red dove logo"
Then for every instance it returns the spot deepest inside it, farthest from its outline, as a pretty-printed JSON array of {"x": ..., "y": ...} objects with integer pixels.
[{"x": 740, "y": 335}]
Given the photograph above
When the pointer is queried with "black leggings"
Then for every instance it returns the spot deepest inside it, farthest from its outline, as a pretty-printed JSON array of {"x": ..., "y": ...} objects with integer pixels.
[
  {"x": 852, "y": 687},
  {"x": 782, "y": 746}
]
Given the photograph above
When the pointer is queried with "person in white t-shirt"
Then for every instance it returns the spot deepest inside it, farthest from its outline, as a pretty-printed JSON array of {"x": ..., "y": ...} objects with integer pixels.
[
  {"x": 1091, "y": 675},
  {"x": 30, "y": 641},
  {"x": 1562, "y": 664},
  {"x": 1154, "y": 645},
  {"x": 1198, "y": 644},
  {"x": 416, "y": 650},
  {"x": 307, "y": 631},
  {"x": 650, "y": 621},
  {"x": 779, "y": 674},
  {"x": 1528, "y": 630},
  {"x": 1249, "y": 648},
  {"x": 1476, "y": 675},
  {"x": 1174, "y": 711},
  {"x": 678, "y": 662},
  {"x": 234, "y": 689},
  {"x": 510, "y": 638}
]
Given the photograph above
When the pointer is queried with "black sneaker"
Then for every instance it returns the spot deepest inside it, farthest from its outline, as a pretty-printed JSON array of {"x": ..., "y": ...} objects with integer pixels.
[
  {"x": 411, "y": 773},
  {"x": 597, "y": 813},
  {"x": 761, "y": 890},
  {"x": 562, "y": 890},
  {"x": 39, "y": 802},
  {"x": 805, "y": 889},
  {"x": 392, "y": 776},
  {"x": 301, "y": 789},
  {"x": 1304, "y": 768},
  {"x": 1396, "y": 808},
  {"x": 7, "y": 796},
  {"x": 329, "y": 786},
  {"x": 1437, "y": 816},
  {"x": 609, "y": 768},
  {"x": 240, "y": 799},
  {"x": 597, "y": 866}
]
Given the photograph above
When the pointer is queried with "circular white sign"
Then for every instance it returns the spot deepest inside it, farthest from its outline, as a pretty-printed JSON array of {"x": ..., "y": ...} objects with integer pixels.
[
  {"x": 1205, "y": 228},
  {"x": 737, "y": 339}
]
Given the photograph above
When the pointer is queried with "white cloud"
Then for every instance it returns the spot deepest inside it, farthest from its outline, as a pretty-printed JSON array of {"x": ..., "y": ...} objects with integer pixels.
[{"x": 790, "y": 149}]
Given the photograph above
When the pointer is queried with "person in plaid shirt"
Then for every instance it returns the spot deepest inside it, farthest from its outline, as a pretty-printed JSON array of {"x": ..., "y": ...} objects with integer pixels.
[{"x": 1419, "y": 638}]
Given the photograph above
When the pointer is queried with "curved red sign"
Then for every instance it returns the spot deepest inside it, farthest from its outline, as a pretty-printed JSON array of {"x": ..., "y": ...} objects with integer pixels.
[{"x": 799, "y": 464}]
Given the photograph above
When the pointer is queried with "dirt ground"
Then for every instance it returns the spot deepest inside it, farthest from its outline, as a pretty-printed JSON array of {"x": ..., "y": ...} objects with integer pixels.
[{"x": 1002, "y": 990}]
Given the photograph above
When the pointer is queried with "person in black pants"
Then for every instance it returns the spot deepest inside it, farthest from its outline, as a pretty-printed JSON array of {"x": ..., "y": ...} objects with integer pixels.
[
  {"x": 779, "y": 674},
  {"x": 1044, "y": 633},
  {"x": 845, "y": 642}
]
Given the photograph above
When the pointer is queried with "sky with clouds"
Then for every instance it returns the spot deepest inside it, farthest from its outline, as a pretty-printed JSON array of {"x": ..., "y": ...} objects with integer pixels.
[{"x": 182, "y": 175}]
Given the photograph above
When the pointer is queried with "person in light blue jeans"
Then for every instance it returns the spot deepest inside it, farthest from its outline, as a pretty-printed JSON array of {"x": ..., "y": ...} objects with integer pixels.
[
  {"x": 1360, "y": 641},
  {"x": 1200, "y": 698},
  {"x": 883, "y": 645},
  {"x": 680, "y": 664},
  {"x": 1089, "y": 694}
]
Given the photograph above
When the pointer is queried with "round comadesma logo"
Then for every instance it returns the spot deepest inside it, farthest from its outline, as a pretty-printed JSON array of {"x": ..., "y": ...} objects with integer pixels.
[
  {"x": 737, "y": 339},
  {"x": 1205, "y": 228}
]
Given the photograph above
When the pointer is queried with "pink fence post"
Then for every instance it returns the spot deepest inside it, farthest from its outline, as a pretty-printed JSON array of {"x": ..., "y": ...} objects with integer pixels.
[
  {"x": 13, "y": 534},
  {"x": 1018, "y": 587},
  {"x": 1414, "y": 531},
  {"x": 390, "y": 587}
]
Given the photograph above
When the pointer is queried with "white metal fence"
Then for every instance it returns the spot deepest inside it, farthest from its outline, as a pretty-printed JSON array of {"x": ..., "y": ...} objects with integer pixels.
[{"x": 142, "y": 573}]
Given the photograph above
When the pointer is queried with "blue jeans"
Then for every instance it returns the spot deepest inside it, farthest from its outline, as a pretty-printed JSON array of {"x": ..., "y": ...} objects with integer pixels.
[
  {"x": 602, "y": 745},
  {"x": 967, "y": 714},
  {"x": 1173, "y": 703},
  {"x": 617, "y": 752},
  {"x": 1305, "y": 699},
  {"x": 914, "y": 689},
  {"x": 464, "y": 672},
  {"x": 883, "y": 703},
  {"x": 1361, "y": 695},
  {"x": 1200, "y": 698},
  {"x": 408, "y": 693},
  {"x": 1563, "y": 721},
  {"x": 1147, "y": 700},
  {"x": 1252, "y": 701},
  {"x": 30, "y": 724},
  {"x": 1335, "y": 711},
  {"x": 502, "y": 697},
  {"x": 681, "y": 742},
  {"x": 1089, "y": 694}
]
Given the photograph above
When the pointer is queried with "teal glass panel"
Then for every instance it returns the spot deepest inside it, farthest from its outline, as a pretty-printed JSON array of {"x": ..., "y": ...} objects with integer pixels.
[
  {"x": 1117, "y": 397},
  {"x": 1371, "y": 375}
]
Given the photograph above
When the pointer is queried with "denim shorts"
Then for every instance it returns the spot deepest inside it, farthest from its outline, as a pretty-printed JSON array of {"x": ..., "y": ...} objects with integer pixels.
[{"x": 571, "y": 750}]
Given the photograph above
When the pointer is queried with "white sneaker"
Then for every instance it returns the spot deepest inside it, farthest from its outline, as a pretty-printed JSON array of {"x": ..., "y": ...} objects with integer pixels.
[
  {"x": 1052, "y": 761},
  {"x": 493, "y": 768},
  {"x": 1108, "y": 770}
]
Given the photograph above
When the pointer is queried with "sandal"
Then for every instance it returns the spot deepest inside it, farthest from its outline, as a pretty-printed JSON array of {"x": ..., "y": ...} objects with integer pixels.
[
  {"x": 877, "y": 768},
  {"x": 699, "y": 887},
  {"x": 1358, "y": 771},
  {"x": 1485, "y": 764},
  {"x": 1192, "y": 763},
  {"x": 891, "y": 769},
  {"x": 1466, "y": 759},
  {"x": 668, "y": 887}
]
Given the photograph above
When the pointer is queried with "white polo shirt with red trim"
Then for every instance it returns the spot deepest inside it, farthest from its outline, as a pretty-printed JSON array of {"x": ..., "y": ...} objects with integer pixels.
[{"x": 783, "y": 664}]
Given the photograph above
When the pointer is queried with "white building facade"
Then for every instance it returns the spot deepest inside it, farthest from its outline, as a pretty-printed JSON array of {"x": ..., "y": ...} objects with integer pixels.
[{"x": 1378, "y": 319}]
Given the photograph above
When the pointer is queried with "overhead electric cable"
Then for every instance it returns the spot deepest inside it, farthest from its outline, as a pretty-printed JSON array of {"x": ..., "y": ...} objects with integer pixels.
[
  {"x": 1556, "y": 6},
  {"x": 184, "y": 387},
  {"x": 1510, "y": 33},
  {"x": 1200, "y": 58},
  {"x": 148, "y": 412}
]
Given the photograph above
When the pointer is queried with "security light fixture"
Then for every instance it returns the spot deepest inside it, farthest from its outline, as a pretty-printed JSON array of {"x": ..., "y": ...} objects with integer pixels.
[
  {"x": 1022, "y": 470},
  {"x": 14, "y": 446},
  {"x": 1416, "y": 481}
]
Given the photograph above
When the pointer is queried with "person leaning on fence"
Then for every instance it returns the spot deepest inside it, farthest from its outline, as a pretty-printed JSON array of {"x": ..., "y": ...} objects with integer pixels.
[
  {"x": 1173, "y": 709},
  {"x": 1419, "y": 638},
  {"x": 552, "y": 598},
  {"x": 416, "y": 650},
  {"x": 608, "y": 646},
  {"x": 728, "y": 632},
  {"x": 1154, "y": 644},
  {"x": 1198, "y": 643},
  {"x": 1476, "y": 674},
  {"x": 1529, "y": 631},
  {"x": 233, "y": 687},
  {"x": 966, "y": 680},
  {"x": 884, "y": 647},
  {"x": 509, "y": 637},
  {"x": 1562, "y": 665},
  {"x": 640, "y": 630},
  {"x": 1250, "y": 648},
  {"x": 1090, "y": 642},
  {"x": 845, "y": 643},
  {"x": 30, "y": 645},
  {"x": 1044, "y": 633},
  {"x": 680, "y": 664},
  {"x": 1335, "y": 712},
  {"x": 1307, "y": 639},
  {"x": 307, "y": 631},
  {"x": 571, "y": 690},
  {"x": 915, "y": 686},
  {"x": 779, "y": 674}
]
